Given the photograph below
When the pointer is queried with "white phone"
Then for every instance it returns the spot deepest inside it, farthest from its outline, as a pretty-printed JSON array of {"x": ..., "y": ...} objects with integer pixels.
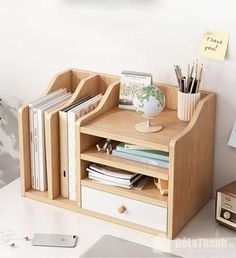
[{"x": 56, "y": 240}]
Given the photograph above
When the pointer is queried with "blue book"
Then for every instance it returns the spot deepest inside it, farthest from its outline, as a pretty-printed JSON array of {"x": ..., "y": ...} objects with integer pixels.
[
  {"x": 161, "y": 155},
  {"x": 150, "y": 161}
]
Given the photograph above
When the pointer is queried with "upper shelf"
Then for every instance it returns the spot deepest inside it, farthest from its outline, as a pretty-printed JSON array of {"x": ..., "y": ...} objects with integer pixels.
[{"x": 118, "y": 124}]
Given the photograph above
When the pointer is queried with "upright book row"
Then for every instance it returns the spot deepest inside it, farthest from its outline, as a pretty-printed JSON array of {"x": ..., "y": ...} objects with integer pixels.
[{"x": 38, "y": 135}]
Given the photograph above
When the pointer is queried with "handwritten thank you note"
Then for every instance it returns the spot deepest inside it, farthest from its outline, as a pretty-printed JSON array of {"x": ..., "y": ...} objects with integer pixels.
[{"x": 214, "y": 45}]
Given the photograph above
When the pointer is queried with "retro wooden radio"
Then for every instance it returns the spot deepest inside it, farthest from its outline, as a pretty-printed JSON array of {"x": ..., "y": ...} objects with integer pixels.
[{"x": 226, "y": 205}]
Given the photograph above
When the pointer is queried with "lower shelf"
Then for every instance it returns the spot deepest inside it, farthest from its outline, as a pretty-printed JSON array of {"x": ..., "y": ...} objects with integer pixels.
[
  {"x": 149, "y": 194},
  {"x": 59, "y": 201}
]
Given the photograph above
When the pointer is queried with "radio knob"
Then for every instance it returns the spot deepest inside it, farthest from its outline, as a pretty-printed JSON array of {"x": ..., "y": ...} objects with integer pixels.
[{"x": 226, "y": 215}]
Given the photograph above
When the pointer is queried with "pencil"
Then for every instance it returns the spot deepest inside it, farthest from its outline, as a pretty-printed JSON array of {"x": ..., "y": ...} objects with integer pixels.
[
  {"x": 191, "y": 89},
  {"x": 177, "y": 76},
  {"x": 199, "y": 78}
]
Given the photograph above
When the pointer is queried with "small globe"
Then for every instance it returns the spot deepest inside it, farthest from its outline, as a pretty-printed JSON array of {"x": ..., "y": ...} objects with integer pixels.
[{"x": 149, "y": 101}]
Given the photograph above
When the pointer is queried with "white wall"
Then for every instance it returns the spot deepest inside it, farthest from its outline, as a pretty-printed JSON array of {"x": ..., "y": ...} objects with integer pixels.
[{"x": 40, "y": 38}]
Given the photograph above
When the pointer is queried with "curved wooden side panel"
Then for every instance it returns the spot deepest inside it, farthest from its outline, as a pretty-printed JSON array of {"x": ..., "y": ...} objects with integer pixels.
[
  {"x": 110, "y": 100},
  {"x": 83, "y": 141},
  {"x": 24, "y": 148},
  {"x": 60, "y": 79},
  {"x": 191, "y": 166},
  {"x": 68, "y": 79}
]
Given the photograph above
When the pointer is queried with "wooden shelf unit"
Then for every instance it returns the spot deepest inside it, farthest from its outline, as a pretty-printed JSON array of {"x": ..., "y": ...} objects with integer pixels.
[{"x": 190, "y": 147}]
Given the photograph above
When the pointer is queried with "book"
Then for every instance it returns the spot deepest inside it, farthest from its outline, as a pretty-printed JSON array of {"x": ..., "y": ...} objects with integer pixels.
[
  {"x": 40, "y": 138},
  {"x": 130, "y": 82},
  {"x": 113, "y": 172},
  {"x": 150, "y": 161},
  {"x": 33, "y": 130},
  {"x": 114, "y": 176},
  {"x": 73, "y": 115},
  {"x": 136, "y": 147},
  {"x": 117, "y": 177},
  {"x": 161, "y": 155},
  {"x": 64, "y": 167},
  {"x": 119, "y": 181}
]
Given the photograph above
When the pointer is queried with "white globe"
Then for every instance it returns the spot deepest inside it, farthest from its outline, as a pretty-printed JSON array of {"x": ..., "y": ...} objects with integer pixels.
[{"x": 149, "y": 101}]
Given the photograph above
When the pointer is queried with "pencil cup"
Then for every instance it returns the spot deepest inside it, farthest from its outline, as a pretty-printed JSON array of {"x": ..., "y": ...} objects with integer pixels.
[{"x": 187, "y": 104}]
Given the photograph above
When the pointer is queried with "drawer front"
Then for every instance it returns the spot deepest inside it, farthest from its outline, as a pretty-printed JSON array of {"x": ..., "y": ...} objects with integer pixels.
[{"x": 124, "y": 208}]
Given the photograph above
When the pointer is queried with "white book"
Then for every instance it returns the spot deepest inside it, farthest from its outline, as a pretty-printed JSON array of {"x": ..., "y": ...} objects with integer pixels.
[
  {"x": 33, "y": 129},
  {"x": 31, "y": 136},
  {"x": 113, "y": 172},
  {"x": 72, "y": 116},
  {"x": 119, "y": 181},
  {"x": 50, "y": 105},
  {"x": 64, "y": 146},
  {"x": 108, "y": 182}
]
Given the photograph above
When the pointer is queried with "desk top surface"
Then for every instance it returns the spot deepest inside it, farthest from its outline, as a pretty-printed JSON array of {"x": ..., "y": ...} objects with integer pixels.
[{"x": 24, "y": 217}]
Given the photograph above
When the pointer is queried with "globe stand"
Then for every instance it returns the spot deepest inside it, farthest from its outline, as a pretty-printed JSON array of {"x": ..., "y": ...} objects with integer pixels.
[{"x": 146, "y": 127}]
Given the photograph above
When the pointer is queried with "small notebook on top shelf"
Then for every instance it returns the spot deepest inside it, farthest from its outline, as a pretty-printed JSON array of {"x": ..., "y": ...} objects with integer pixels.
[
  {"x": 113, "y": 176},
  {"x": 130, "y": 82}
]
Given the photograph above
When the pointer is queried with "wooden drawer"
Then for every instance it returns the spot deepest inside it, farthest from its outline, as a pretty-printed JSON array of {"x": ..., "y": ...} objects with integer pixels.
[{"x": 124, "y": 208}]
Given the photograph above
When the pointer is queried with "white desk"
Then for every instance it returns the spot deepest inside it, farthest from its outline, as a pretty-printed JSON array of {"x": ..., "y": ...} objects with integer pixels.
[{"x": 25, "y": 217}]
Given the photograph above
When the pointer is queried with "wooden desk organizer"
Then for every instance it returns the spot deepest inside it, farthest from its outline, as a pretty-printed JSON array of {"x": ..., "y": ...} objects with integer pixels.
[{"x": 190, "y": 147}]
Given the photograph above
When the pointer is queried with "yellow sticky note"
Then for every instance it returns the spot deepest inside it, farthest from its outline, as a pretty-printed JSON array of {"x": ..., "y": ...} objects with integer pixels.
[{"x": 214, "y": 45}]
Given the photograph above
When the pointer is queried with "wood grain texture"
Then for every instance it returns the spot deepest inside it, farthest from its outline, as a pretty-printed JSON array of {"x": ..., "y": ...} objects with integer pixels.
[
  {"x": 68, "y": 79},
  {"x": 119, "y": 124},
  {"x": 191, "y": 167},
  {"x": 24, "y": 148}
]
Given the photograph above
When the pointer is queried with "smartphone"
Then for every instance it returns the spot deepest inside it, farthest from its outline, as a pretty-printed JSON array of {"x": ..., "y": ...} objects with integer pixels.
[{"x": 56, "y": 240}]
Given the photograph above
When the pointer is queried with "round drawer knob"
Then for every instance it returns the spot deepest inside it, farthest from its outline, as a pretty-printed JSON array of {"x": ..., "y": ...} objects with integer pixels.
[
  {"x": 226, "y": 215},
  {"x": 121, "y": 209}
]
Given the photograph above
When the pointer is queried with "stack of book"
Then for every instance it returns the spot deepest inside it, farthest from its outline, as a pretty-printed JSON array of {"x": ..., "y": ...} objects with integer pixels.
[
  {"x": 142, "y": 154},
  {"x": 113, "y": 176},
  {"x": 37, "y": 113},
  {"x": 67, "y": 119}
]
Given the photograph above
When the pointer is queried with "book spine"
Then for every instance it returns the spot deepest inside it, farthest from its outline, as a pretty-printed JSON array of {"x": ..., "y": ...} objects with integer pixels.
[
  {"x": 71, "y": 155},
  {"x": 31, "y": 136},
  {"x": 64, "y": 171},
  {"x": 154, "y": 162},
  {"x": 36, "y": 149},
  {"x": 143, "y": 153},
  {"x": 41, "y": 152}
]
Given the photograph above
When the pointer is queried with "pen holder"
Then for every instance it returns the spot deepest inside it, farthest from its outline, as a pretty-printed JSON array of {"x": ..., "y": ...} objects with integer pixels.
[{"x": 187, "y": 104}]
